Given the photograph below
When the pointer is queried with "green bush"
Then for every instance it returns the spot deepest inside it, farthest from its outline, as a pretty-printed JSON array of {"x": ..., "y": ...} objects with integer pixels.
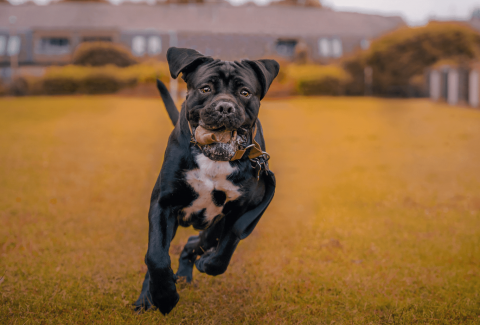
[
  {"x": 317, "y": 79},
  {"x": 355, "y": 86},
  {"x": 3, "y": 89},
  {"x": 324, "y": 86},
  {"x": 19, "y": 87},
  {"x": 59, "y": 85},
  {"x": 72, "y": 79},
  {"x": 98, "y": 54},
  {"x": 100, "y": 84},
  {"x": 399, "y": 56}
]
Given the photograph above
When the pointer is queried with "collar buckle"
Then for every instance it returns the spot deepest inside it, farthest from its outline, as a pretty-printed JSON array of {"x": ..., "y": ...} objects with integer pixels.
[{"x": 260, "y": 164}]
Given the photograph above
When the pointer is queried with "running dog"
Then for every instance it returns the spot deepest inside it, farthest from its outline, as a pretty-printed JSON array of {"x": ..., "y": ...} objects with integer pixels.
[{"x": 215, "y": 174}]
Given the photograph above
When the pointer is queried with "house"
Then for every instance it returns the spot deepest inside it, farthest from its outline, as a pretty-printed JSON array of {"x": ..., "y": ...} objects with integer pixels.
[
  {"x": 456, "y": 83},
  {"x": 45, "y": 35}
]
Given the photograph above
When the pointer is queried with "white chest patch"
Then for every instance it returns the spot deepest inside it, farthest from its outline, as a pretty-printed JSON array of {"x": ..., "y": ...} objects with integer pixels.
[{"x": 208, "y": 179}]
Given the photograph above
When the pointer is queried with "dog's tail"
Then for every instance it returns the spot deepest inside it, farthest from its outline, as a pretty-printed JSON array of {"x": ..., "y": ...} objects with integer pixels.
[{"x": 168, "y": 101}]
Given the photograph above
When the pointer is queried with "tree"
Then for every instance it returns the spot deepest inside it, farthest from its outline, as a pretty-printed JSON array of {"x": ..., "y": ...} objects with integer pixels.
[
  {"x": 403, "y": 55},
  {"x": 102, "y": 53}
]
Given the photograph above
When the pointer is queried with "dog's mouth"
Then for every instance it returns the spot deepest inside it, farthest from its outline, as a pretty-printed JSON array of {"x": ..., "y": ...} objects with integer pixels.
[{"x": 220, "y": 143}]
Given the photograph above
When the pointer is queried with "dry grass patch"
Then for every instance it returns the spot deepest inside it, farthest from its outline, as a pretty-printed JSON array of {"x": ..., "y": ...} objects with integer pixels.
[{"x": 376, "y": 219}]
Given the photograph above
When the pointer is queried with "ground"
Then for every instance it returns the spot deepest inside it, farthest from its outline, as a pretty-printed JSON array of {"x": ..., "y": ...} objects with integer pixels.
[{"x": 376, "y": 218}]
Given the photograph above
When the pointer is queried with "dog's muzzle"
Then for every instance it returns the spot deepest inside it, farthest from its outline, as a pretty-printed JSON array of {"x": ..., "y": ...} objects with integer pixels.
[
  {"x": 219, "y": 145},
  {"x": 224, "y": 145},
  {"x": 222, "y": 113}
]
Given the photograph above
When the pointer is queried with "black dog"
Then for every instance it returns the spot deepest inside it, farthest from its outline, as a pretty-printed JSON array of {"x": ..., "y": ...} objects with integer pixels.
[{"x": 219, "y": 187}]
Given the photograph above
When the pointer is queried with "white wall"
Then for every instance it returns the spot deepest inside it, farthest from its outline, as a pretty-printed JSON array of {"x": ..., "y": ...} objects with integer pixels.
[
  {"x": 473, "y": 88},
  {"x": 435, "y": 85},
  {"x": 453, "y": 87}
]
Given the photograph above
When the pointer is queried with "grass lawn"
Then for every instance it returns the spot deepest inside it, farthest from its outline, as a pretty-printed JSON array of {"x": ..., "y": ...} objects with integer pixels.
[{"x": 376, "y": 219}]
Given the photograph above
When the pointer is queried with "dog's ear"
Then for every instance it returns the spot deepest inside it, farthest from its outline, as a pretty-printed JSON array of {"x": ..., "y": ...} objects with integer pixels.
[
  {"x": 266, "y": 71},
  {"x": 184, "y": 60}
]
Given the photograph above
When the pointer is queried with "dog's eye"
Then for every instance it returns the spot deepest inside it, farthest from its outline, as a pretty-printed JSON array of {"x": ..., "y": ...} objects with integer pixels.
[
  {"x": 244, "y": 93},
  {"x": 205, "y": 89}
]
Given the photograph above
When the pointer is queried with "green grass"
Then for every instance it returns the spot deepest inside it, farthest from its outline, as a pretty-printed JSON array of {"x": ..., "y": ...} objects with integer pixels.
[{"x": 376, "y": 219}]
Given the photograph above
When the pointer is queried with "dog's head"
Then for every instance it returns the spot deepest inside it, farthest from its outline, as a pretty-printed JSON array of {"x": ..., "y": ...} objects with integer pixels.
[{"x": 221, "y": 95}]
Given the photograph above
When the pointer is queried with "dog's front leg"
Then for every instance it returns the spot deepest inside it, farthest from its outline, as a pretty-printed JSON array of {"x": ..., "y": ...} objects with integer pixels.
[
  {"x": 162, "y": 227},
  {"x": 198, "y": 245},
  {"x": 216, "y": 261}
]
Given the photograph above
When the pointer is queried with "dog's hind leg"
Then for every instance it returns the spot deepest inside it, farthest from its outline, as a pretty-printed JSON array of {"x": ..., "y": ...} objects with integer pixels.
[
  {"x": 198, "y": 245},
  {"x": 187, "y": 258},
  {"x": 144, "y": 301}
]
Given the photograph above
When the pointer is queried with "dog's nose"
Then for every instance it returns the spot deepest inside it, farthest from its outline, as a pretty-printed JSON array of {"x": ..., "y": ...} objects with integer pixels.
[{"x": 225, "y": 108}]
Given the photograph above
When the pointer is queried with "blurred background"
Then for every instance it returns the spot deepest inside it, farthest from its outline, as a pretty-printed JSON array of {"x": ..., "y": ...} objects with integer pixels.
[
  {"x": 373, "y": 129},
  {"x": 384, "y": 48}
]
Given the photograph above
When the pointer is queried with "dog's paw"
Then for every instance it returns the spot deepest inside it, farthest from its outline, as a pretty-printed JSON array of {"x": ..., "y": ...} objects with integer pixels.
[
  {"x": 185, "y": 276},
  {"x": 200, "y": 263},
  {"x": 166, "y": 303},
  {"x": 185, "y": 268},
  {"x": 143, "y": 303},
  {"x": 210, "y": 265},
  {"x": 164, "y": 297}
]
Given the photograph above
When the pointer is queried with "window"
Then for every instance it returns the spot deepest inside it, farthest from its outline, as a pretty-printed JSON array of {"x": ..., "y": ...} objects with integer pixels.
[
  {"x": 330, "y": 48},
  {"x": 154, "y": 45},
  {"x": 286, "y": 47},
  {"x": 13, "y": 45},
  {"x": 365, "y": 44},
  {"x": 324, "y": 47},
  {"x": 53, "y": 46},
  {"x": 138, "y": 45},
  {"x": 3, "y": 44},
  {"x": 337, "y": 49}
]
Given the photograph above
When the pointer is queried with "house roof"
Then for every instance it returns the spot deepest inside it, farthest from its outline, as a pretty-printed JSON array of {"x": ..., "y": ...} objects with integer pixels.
[{"x": 208, "y": 18}]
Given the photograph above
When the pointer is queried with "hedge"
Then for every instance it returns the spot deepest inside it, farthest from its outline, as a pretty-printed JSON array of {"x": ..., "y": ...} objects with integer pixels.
[
  {"x": 399, "y": 56},
  {"x": 72, "y": 79},
  {"x": 98, "y": 54},
  {"x": 317, "y": 79}
]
